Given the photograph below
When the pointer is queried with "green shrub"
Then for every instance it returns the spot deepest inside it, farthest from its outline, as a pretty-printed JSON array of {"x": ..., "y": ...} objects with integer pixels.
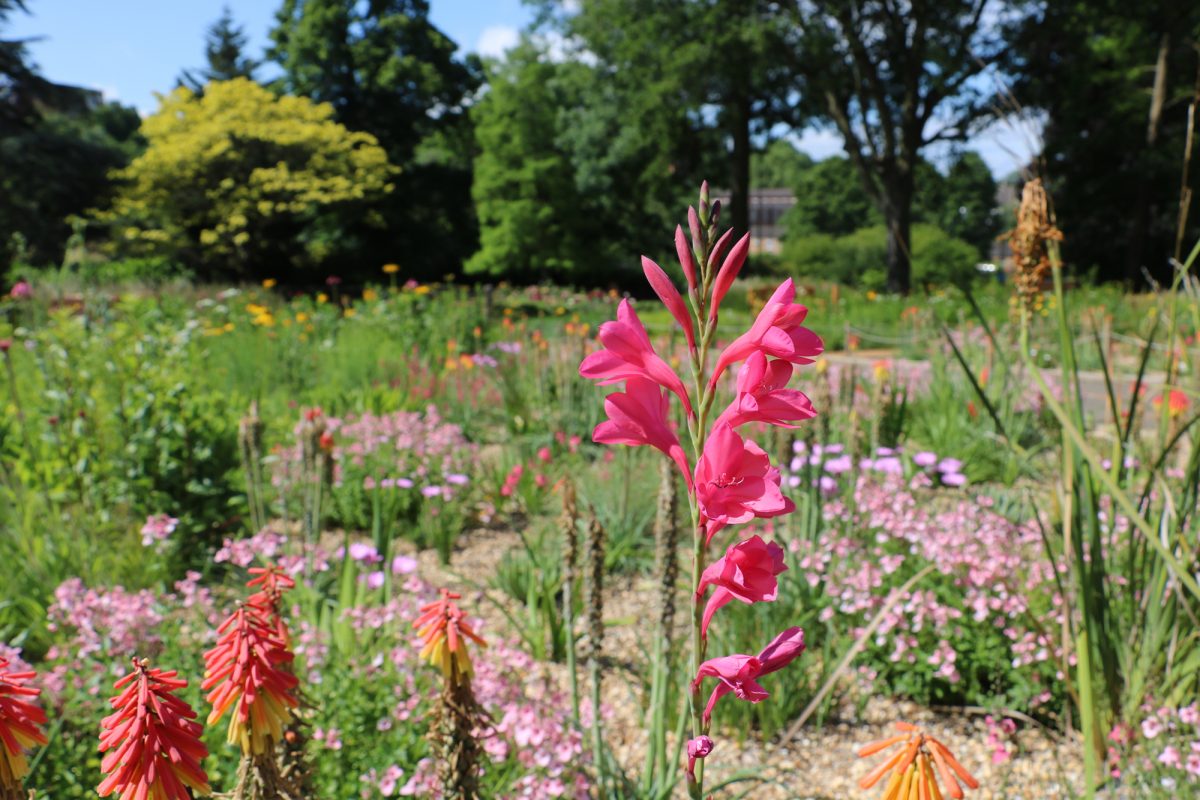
[{"x": 859, "y": 258}]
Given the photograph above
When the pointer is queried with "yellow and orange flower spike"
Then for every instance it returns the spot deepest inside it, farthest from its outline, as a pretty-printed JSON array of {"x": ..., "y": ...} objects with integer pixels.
[
  {"x": 151, "y": 740},
  {"x": 19, "y": 726},
  {"x": 245, "y": 673},
  {"x": 444, "y": 629},
  {"x": 913, "y": 776}
]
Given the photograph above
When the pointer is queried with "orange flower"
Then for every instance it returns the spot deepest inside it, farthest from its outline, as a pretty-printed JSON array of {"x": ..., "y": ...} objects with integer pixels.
[
  {"x": 19, "y": 723},
  {"x": 1177, "y": 402},
  {"x": 391, "y": 269},
  {"x": 245, "y": 673},
  {"x": 913, "y": 767},
  {"x": 443, "y": 627},
  {"x": 152, "y": 739}
]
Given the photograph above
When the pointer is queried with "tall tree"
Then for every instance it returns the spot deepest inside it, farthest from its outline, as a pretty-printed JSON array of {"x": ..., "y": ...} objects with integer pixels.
[
  {"x": 534, "y": 223},
  {"x": 225, "y": 52},
  {"x": 388, "y": 70},
  {"x": 1115, "y": 80},
  {"x": 779, "y": 166},
  {"x": 895, "y": 76},
  {"x": 720, "y": 61}
]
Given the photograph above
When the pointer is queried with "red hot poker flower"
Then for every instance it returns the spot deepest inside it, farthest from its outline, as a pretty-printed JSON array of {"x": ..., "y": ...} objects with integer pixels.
[
  {"x": 271, "y": 582},
  {"x": 244, "y": 674},
  {"x": 442, "y": 626},
  {"x": 152, "y": 739},
  {"x": 915, "y": 766},
  {"x": 19, "y": 721}
]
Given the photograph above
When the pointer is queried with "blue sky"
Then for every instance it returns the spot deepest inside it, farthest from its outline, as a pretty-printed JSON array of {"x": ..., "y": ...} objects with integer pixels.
[{"x": 130, "y": 49}]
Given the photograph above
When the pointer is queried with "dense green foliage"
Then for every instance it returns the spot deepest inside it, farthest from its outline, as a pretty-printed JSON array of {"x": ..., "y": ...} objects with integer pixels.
[{"x": 239, "y": 180}]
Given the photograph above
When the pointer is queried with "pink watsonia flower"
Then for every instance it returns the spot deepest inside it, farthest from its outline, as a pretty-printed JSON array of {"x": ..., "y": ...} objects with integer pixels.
[
  {"x": 748, "y": 572},
  {"x": 729, "y": 271},
  {"x": 628, "y": 354},
  {"x": 638, "y": 416},
  {"x": 697, "y": 748},
  {"x": 777, "y": 332},
  {"x": 669, "y": 295},
  {"x": 735, "y": 482},
  {"x": 740, "y": 673},
  {"x": 763, "y": 396},
  {"x": 21, "y": 290},
  {"x": 684, "y": 253}
]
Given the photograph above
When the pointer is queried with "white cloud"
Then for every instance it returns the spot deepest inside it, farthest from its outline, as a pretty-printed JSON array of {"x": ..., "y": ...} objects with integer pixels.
[
  {"x": 820, "y": 143},
  {"x": 496, "y": 39}
]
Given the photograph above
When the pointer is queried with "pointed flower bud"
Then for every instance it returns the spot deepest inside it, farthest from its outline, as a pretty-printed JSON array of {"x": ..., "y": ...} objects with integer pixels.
[
  {"x": 685, "y": 258},
  {"x": 727, "y": 275},
  {"x": 660, "y": 282}
]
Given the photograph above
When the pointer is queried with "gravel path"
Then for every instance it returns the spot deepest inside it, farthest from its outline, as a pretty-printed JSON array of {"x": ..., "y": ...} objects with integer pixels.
[{"x": 820, "y": 763}]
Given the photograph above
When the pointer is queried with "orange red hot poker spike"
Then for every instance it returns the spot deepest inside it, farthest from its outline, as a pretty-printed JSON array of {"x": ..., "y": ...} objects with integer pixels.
[
  {"x": 151, "y": 741},
  {"x": 915, "y": 767},
  {"x": 444, "y": 629},
  {"x": 20, "y": 723}
]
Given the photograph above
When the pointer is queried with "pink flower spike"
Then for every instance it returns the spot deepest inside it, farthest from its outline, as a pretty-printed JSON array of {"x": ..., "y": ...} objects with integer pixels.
[
  {"x": 729, "y": 272},
  {"x": 629, "y": 354},
  {"x": 639, "y": 416},
  {"x": 746, "y": 572},
  {"x": 669, "y": 295},
  {"x": 719, "y": 248},
  {"x": 777, "y": 332},
  {"x": 762, "y": 395},
  {"x": 735, "y": 481},
  {"x": 685, "y": 258},
  {"x": 740, "y": 673}
]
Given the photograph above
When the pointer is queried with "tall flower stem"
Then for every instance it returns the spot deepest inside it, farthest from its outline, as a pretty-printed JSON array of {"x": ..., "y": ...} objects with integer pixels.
[{"x": 696, "y": 428}]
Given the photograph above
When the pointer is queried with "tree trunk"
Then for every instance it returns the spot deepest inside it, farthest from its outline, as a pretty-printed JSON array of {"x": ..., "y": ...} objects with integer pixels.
[
  {"x": 739, "y": 177},
  {"x": 1135, "y": 257},
  {"x": 898, "y": 217}
]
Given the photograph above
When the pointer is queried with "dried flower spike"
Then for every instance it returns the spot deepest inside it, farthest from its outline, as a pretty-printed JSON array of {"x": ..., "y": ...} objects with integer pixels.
[
  {"x": 152, "y": 739},
  {"x": 245, "y": 673},
  {"x": 1031, "y": 260},
  {"x": 19, "y": 727},
  {"x": 443, "y": 626},
  {"x": 912, "y": 767}
]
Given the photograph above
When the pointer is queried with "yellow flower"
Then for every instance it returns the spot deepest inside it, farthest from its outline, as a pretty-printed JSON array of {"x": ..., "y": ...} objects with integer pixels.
[
  {"x": 322, "y": 298},
  {"x": 301, "y": 316},
  {"x": 391, "y": 269},
  {"x": 350, "y": 312},
  {"x": 422, "y": 289},
  {"x": 269, "y": 283},
  {"x": 370, "y": 295},
  {"x": 872, "y": 295},
  {"x": 228, "y": 327}
]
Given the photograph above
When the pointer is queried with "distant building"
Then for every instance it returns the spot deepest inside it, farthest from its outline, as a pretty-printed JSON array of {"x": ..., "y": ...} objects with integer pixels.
[{"x": 767, "y": 207}]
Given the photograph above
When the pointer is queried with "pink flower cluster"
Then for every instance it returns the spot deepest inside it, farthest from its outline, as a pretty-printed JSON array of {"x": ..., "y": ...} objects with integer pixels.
[{"x": 995, "y": 565}]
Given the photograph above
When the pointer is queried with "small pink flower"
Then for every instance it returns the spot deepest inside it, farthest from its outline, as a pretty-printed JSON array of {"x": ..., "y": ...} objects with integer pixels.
[
  {"x": 20, "y": 291},
  {"x": 746, "y": 572},
  {"x": 628, "y": 354},
  {"x": 1170, "y": 757},
  {"x": 739, "y": 673},
  {"x": 157, "y": 528},
  {"x": 544, "y": 455},
  {"x": 735, "y": 482},
  {"x": 1151, "y": 727}
]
